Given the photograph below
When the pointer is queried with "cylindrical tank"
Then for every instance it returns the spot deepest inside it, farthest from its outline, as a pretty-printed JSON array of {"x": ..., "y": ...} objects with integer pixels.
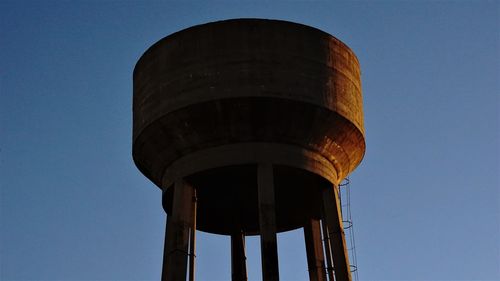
[{"x": 213, "y": 100}]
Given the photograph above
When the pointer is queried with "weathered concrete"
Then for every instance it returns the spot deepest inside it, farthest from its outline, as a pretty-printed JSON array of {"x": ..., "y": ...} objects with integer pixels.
[
  {"x": 333, "y": 218},
  {"x": 178, "y": 233},
  {"x": 267, "y": 222},
  {"x": 328, "y": 250},
  {"x": 216, "y": 103},
  {"x": 248, "y": 91},
  {"x": 238, "y": 257},
  {"x": 314, "y": 250}
]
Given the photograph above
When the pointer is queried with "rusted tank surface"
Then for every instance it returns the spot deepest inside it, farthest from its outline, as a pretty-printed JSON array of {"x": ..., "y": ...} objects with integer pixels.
[{"x": 212, "y": 101}]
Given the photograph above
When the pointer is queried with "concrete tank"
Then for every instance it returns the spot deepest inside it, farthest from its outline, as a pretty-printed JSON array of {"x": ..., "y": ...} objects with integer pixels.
[
  {"x": 239, "y": 107},
  {"x": 213, "y": 100}
]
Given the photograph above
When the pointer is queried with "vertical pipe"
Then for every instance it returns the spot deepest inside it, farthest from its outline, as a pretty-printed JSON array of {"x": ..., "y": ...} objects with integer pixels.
[
  {"x": 314, "y": 250},
  {"x": 335, "y": 228},
  {"x": 328, "y": 251},
  {"x": 238, "y": 258},
  {"x": 177, "y": 240},
  {"x": 192, "y": 240},
  {"x": 267, "y": 222}
]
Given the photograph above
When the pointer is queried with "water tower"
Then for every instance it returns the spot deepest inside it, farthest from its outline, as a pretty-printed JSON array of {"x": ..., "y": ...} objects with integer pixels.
[{"x": 248, "y": 126}]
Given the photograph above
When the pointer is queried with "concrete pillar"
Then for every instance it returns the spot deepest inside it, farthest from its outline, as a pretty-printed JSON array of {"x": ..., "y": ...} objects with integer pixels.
[
  {"x": 238, "y": 257},
  {"x": 314, "y": 250},
  {"x": 267, "y": 222},
  {"x": 179, "y": 222},
  {"x": 328, "y": 250},
  {"x": 192, "y": 240},
  {"x": 333, "y": 217}
]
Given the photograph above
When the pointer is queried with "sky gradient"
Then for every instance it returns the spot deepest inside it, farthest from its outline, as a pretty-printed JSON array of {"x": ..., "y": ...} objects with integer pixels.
[{"x": 425, "y": 201}]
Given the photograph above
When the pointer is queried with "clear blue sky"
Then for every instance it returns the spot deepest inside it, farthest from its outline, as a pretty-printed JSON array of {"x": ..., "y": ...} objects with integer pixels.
[{"x": 425, "y": 201}]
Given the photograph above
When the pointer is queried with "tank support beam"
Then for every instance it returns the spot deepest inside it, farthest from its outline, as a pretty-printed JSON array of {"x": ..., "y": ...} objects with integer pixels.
[
  {"x": 314, "y": 250},
  {"x": 238, "y": 258},
  {"x": 267, "y": 222},
  {"x": 333, "y": 217},
  {"x": 180, "y": 226}
]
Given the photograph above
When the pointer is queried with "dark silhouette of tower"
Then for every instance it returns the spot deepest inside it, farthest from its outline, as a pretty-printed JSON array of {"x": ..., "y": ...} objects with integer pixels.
[{"x": 248, "y": 126}]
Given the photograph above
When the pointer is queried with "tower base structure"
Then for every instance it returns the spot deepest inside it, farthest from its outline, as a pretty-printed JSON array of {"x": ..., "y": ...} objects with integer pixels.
[{"x": 275, "y": 181}]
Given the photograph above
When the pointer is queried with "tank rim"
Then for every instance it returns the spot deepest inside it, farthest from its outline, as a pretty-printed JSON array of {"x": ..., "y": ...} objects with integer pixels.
[{"x": 249, "y": 19}]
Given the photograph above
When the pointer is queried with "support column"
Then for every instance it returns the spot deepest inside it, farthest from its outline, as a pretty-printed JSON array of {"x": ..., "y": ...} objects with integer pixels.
[
  {"x": 267, "y": 222},
  {"x": 314, "y": 250},
  {"x": 175, "y": 256},
  {"x": 333, "y": 217},
  {"x": 238, "y": 257},
  {"x": 328, "y": 250},
  {"x": 192, "y": 239}
]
